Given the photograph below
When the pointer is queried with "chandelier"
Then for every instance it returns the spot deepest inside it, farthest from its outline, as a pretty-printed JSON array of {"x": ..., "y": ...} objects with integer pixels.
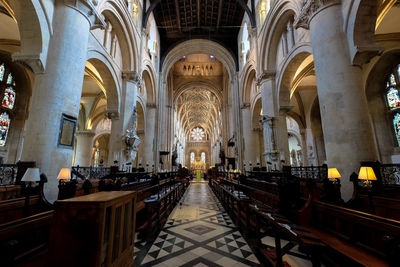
[{"x": 197, "y": 134}]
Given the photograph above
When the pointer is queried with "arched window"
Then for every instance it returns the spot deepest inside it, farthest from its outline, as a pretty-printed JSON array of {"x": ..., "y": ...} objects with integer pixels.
[
  {"x": 203, "y": 158},
  {"x": 393, "y": 100},
  {"x": 7, "y": 94},
  {"x": 191, "y": 157}
]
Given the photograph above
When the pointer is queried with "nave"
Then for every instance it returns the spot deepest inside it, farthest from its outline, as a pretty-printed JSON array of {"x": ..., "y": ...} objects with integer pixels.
[{"x": 198, "y": 231}]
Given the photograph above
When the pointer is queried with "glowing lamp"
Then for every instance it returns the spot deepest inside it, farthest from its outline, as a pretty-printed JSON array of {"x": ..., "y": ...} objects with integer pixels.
[
  {"x": 334, "y": 174},
  {"x": 367, "y": 174},
  {"x": 64, "y": 174}
]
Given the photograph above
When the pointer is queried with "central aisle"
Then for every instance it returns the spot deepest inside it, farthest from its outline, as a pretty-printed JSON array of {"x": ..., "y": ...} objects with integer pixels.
[{"x": 199, "y": 233}]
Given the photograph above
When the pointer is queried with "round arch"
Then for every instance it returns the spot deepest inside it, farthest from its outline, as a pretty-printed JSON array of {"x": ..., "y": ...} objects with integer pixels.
[
  {"x": 248, "y": 79},
  {"x": 148, "y": 79},
  {"x": 288, "y": 71},
  {"x": 110, "y": 79},
  {"x": 116, "y": 13},
  {"x": 280, "y": 14},
  {"x": 199, "y": 46}
]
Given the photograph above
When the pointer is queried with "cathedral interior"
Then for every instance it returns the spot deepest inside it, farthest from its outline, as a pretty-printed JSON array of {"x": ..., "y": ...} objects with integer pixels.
[{"x": 199, "y": 133}]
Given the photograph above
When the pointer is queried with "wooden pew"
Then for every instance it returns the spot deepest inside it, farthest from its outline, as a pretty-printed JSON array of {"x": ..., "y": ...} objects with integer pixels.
[
  {"x": 24, "y": 242},
  {"x": 364, "y": 238}
]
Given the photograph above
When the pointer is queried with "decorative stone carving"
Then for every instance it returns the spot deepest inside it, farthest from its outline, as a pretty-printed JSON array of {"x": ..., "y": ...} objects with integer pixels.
[
  {"x": 111, "y": 114},
  {"x": 266, "y": 75},
  {"x": 309, "y": 9},
  {"x": 88, "y": 9}
]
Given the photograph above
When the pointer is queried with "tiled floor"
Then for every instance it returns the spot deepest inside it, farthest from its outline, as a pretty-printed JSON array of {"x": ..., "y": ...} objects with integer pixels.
[{"x": 198, "y": 233}]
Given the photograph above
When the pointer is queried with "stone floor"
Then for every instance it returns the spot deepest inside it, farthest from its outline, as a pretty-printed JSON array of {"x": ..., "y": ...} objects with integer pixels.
[{"x": 198, "y": 233}]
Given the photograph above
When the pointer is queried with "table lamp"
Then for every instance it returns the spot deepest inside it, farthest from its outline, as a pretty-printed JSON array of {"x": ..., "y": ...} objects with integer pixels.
[
  {"x": 64, "y": 175},
  {"x": 367, "y": 174},
  {"x": 334, "y": 174},
  {"x": 31, "y": 175}
]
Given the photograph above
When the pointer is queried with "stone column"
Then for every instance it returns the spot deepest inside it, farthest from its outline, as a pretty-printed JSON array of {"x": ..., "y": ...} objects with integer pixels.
[
  {"x": 281, "y": 135},
  {"x": 250, "y": 136},
  {"x": 347, "y": 130},
  {"x": 237, "y": 130},
  {"x": 304, "y": 159},
  {"x": 149, "y": 149},
  {"x": 58, "y": 90},
  {"x": 84, "y": 142},
  {"x": 122, "y": 121}
]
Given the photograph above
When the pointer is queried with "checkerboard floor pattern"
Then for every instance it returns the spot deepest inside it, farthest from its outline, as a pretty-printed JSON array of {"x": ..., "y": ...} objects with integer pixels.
[{"x": 198, "y": 233}]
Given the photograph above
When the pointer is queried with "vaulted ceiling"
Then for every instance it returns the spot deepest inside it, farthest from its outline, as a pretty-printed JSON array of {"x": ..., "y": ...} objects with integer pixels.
[
  {"x": 217, "y": 20},
  {"x": 198, "y": 107}
]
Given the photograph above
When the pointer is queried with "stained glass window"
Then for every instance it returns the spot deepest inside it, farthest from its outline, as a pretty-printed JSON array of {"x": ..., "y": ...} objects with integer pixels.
[
  {"x": 197, "y": 134},
  {"x": 4, "y": 126},
  {"x": 393, "y": 98},
  {"x": 191, "y": 157},
  {"x": 2, "y": 70},
  {"x": 9, "y": 98},
  {"x": 392, "y": 80},
  {"x": 9, "y": 79},
  {"x": 203, "y": 157},
  {"x": 396, "y": 124}
]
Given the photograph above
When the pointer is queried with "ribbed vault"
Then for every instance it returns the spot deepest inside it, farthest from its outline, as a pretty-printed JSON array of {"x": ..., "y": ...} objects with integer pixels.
[{"x": 197, "y": 107}]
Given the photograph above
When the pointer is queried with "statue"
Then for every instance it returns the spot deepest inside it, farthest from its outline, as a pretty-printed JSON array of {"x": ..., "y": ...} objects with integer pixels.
[{"x": 132, "y": 141}]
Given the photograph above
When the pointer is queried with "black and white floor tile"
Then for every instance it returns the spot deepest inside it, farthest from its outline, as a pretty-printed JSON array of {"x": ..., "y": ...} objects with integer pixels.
[{"x": 198, "y": 233}]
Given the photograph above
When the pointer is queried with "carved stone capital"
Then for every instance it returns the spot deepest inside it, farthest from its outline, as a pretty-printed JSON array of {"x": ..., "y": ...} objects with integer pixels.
[
  {"x": 245, "y": 106},
  {"x": 266, "y": 119},
  {"x": 151, "y": 105},
  {"x": 266, "y": 75},
  {"x": 310, "y": 9},
  {"x": 132, "y": 76},
  {"x": 33, "y": 62},
  {"x": 88, "y": 9},
  {"x": 111, "y": 114}
]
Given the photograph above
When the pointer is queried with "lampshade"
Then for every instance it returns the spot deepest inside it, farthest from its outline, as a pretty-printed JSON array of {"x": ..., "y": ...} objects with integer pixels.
[
  {"x": 333, "y": 173},
  {"x": 64, "y": 174},
  {"x": 31, "y": 175},
  {"x": 366, "y": 173}
]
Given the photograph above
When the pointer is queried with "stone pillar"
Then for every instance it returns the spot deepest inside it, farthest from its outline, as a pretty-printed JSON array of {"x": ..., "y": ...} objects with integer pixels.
[
  {"x": 347, "y": 130},
  {"x": 281, "y": 135},
  {"x": 149, "y": 149},
  {"x": 250, "y": 136},
  {"x": 304, "y": 158},
  {"x": 237, "y": 130},
  {"x": 84, "y": 142},
  {"x": 122, "y": 121},
  {"x": 58, "y": 90},
  {"x": 274, "y": 124}
]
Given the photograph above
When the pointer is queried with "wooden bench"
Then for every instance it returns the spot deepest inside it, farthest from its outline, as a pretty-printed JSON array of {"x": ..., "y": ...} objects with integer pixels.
[
  {"x": 24, "y": 239},
  {"x": 361, "y": 237}
]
